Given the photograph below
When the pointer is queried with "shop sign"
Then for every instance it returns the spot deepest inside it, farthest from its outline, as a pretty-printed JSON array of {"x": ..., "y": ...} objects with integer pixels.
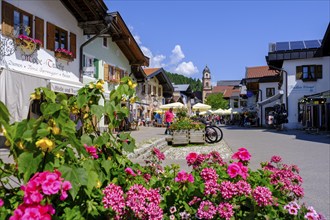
[
  {"x": 41, "y": 63},
  {"x": 56, "y": 87},
  {"x": 302, "y": 88},
  {"x": 89, "y": 71}
]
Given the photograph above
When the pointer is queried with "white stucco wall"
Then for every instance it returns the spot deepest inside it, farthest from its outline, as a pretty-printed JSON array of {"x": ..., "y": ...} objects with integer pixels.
[
  {"x": 297, "y": 88},
  {"x": 263, "y": 87},
  {"x": 111, "y": 55},
  {"x": 55, "y": 13}
]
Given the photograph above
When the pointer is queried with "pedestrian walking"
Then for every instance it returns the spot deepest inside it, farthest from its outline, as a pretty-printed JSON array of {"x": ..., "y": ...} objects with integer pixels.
[{"x": 168, "y": 119}]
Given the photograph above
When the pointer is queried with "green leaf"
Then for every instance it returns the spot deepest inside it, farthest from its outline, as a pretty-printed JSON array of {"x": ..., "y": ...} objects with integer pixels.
[
  {"x": 49, "y": 94},
  {"x": 27, "y": 135},
  {"x": 76, "y": 176},
  {"x": 50, "y": 108},
  {"x": 86, "y": 139},
  {"x": 107, "y": 165},
  {"x": 28, "y": 164},
  {"x": 128, "y": 147},
  {"x": 81, "y": 100},
  {"x": 73, "y": 214},
  {"x": 43, "y": 132},
  {"x": 92, "y": 181},
  {"x": 97, "y": 110},
  {"x": 4, "y": 113}
]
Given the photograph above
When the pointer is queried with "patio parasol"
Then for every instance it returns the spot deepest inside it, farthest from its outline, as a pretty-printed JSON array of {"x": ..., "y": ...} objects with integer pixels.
[
  {"x": 172, "y": 105},
  {"x": 201, "y": 107}
]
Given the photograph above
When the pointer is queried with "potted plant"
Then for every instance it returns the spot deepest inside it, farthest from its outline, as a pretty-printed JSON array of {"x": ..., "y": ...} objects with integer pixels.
[
  {"x": 180, "y": 131},
  {"x": 64, "y": 54},
  {"x": 28, "y": 43},
  {"x": 197, "y": 133}
]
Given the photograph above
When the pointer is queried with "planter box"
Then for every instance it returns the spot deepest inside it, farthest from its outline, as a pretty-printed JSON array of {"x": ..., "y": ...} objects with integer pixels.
[
  {"x": 196, "y": 136},
  {"x": 180, "y": 137},
  {"x": 63, "y": 56}
]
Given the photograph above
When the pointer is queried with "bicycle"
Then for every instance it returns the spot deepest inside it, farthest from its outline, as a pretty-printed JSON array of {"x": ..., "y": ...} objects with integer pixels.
[{"x": 213, "y": 134}]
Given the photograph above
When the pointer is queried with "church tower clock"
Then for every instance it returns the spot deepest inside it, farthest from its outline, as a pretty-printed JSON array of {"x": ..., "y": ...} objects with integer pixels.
[{"x": 207, "y": 87}]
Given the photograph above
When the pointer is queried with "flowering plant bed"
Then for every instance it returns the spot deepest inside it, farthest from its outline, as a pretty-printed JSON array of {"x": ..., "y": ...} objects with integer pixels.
[
  {"x": 64, "y": 54},
  {"x": 61, "y": 172}
]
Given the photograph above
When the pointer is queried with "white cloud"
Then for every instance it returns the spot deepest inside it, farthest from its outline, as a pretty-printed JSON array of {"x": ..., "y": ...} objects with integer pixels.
[
  {"x": 146, "y": 51},
  {"x": 137, "y": 39},
  {"x": 155, "y": 61},
  {"x": 187, "y": 69},
  {"x": 177, "y": 55}
]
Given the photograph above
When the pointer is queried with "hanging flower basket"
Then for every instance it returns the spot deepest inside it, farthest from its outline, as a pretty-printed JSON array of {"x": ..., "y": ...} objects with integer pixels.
[
  {"x": 27, "y": 44},
  {"x": 64, "y": 54}
]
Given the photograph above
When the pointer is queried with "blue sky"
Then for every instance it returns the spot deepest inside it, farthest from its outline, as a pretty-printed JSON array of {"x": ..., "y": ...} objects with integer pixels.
[{"x": 184, "y": 36}]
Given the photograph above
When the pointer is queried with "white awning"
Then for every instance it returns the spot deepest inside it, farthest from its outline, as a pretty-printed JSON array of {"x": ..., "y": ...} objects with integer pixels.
[
  {"x": 272, "y": 99},
  {"x": 64, "y": 87}
]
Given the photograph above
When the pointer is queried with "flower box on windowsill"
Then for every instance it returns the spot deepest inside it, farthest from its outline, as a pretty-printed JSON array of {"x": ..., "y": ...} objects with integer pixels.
[
  {"x": 114, "y": 81},
  {"x": 63, "y": 56},
  {"x": 28, "y": 44}
]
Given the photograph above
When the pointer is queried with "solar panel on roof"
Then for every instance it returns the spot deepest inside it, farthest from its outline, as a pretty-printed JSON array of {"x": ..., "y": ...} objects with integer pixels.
[
  {"x": 312, "y": 44},
  {"x": 297, "y": 45},
  {"x": 282, "y": 46}
]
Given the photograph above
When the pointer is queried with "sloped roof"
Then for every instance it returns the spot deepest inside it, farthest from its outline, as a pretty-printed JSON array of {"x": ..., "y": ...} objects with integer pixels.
[
  {"x": 160, "y": 74},
  {"x": 231, "y": 93},
  {"x": 228, "y": 82},
  {"x": 181, "y": 87},
  {"x": 149, "y": 71},
  {"x": 259, "y": 71},
  {"x": 221, "y": 89}
]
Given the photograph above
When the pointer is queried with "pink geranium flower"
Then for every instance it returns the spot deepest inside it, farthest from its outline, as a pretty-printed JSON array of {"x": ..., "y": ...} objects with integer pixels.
[
  {"x": 235, "y": 169},
  {"x": 242, "y": 154},
  {"x": 158, "y": 153},
  {"x": 191, "y": 158},
  {"x": 129, "y": 171},
  {"x": 183, "y": 177},
  {"x": 1, "y": 202},
  {"x": 276, "y": 159},
  {"x": 92, "y": 151}
]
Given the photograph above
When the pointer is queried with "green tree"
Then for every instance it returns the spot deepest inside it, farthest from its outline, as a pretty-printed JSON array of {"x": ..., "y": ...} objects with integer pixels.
[
  {"x": 195, "y": 84},
  {"x": 217, "y": 101}
]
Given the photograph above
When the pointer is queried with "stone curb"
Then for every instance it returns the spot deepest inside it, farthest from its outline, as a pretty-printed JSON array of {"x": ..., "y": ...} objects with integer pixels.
[{"x": 143, "y": 152}]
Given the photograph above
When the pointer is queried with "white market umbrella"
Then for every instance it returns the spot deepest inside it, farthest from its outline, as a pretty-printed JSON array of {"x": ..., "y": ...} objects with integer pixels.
[
  {"x": 227, "y": 111},
  {"x": 208, "y": 112},
  {"x": 172, "y": 105},
  {"x": 219, "y": 111},
  {"x": 201, "y": 107}
]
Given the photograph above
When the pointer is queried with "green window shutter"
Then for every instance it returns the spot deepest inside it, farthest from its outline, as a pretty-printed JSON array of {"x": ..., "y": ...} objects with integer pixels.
[
  {"x": 298, "y": 72},
  {"x": 96, "y": 64},
  {"x": 318, "y": 71}
]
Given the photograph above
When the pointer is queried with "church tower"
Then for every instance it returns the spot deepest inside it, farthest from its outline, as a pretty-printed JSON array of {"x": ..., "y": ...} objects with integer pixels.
[{"x": 207, "y": 87}]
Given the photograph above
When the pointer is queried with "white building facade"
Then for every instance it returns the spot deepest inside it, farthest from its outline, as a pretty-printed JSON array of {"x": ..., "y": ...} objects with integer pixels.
[{"x": 25, "y": 67}]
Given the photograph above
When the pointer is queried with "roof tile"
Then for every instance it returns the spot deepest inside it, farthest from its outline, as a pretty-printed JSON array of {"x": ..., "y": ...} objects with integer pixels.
[
  {"x": 149, "y": 71},
  {"x": 259, "y": 71}
]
